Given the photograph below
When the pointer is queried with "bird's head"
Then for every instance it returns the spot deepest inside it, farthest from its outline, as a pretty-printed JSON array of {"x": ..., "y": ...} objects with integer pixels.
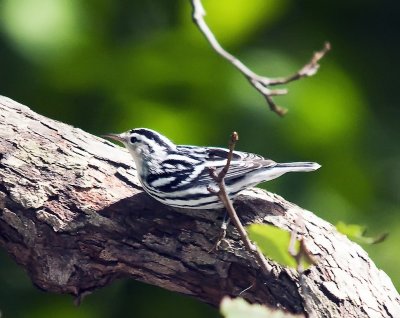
[{"x": 143, "y": 143}]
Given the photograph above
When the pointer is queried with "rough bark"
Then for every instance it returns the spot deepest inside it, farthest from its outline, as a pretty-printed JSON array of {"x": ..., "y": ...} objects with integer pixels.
[{"x": 73, "y": 214}]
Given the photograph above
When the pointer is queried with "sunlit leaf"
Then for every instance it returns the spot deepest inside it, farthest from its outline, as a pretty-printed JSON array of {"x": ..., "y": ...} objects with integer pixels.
[
  {"x": 239, "y": 308},
  {"x": 273, "y": 242},
  {"x": 356, "y": 233}
]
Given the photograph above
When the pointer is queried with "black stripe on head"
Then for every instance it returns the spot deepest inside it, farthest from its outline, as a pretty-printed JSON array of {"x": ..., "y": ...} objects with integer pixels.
[{"x": 152, "y": 135}]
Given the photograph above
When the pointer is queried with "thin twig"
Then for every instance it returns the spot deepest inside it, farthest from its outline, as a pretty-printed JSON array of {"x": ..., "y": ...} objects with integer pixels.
[
  {"x": 260, "y": 83},
  {"x": 223, "y": 196},
  {"x": 302, "y": 256},
  {"x": 303, "y": 253},
  {"x": 307, "y": 70},
  {"x": 245, "y": 290}
]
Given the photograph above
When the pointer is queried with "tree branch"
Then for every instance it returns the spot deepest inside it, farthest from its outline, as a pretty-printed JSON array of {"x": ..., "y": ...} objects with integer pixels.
[
  {"x": 260, "y": 83},
  {"x": 223, "y": 196},
  {"x": 73, "y": 214}
]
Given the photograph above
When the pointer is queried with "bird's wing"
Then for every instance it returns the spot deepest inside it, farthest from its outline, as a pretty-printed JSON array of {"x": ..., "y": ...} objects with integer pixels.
[{"x": 241, "y": 164}]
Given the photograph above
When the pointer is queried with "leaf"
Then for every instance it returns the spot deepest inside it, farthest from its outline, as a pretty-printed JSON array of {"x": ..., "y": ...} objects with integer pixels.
[
  {"x": 356, "y": 233},
  {"x": 239, "y": 308},
  {"x": 273, "y": 242}
]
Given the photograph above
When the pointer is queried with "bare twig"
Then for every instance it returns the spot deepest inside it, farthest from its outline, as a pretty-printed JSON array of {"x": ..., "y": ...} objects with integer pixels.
[
  {"x": 246, "y": 289},
  {"x": 303, "y": 253},
  {"x": 302, "y": 256},
  {"x": 307, "y": 70},
  {"x": 223, "y": 196},
  {"x": 260, "y": 83}
]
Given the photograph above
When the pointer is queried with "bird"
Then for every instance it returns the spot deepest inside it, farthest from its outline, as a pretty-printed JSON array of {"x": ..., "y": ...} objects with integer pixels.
[{"x": 179, "y": 175}]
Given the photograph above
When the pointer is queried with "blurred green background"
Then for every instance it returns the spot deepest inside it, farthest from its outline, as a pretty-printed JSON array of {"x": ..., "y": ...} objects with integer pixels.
[{"x": 108, "y": 66}]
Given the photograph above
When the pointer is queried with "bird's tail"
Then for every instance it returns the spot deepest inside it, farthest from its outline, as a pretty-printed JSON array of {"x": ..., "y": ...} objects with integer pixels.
[
  {"x": 271, "y": 172},
  {"x": 299, "y": 166}
]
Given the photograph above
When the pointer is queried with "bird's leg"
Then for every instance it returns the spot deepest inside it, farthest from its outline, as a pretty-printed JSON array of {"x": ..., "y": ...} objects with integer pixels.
[
  {"x": 225, "y": 221},
  {"x": 222, "y": 234}
]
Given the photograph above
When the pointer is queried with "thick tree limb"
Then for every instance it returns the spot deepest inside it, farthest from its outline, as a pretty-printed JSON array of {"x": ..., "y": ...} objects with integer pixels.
[{"x": 74, "y": 216}]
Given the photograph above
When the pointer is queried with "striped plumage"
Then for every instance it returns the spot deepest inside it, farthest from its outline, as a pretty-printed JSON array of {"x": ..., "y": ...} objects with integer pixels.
[{"x": 179, "y": 175}]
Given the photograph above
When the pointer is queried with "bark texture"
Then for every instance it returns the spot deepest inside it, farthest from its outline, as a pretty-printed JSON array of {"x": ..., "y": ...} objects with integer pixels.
[{"x": 73, "y": 214}]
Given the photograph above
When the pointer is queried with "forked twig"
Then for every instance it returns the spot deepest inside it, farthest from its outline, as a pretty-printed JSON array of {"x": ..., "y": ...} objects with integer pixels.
[
  {"x": 303, "y": 253},
  {"x": 260, "y": 83},
  {"x": 223, "y": 196}
]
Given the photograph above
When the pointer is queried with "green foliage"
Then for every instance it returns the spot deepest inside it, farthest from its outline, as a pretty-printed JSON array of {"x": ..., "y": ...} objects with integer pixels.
[
  {"x": 239, "y": 308},
  {"x": 356, "y": 233},
  {"x": 43, "y": 29},
  {"x": 273, "y": 242}
]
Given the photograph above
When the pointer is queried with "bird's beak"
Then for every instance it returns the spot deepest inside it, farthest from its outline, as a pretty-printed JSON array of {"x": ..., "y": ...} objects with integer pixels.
[{"x": 116, "y": 137}]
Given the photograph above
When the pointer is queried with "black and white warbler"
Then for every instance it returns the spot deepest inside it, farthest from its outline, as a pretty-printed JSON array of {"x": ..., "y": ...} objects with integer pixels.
[{"x": 179, "y": 175}]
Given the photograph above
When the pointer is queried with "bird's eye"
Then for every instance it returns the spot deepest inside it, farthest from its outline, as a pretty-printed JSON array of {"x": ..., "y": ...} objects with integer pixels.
[{"x": 134, "y": 140}]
